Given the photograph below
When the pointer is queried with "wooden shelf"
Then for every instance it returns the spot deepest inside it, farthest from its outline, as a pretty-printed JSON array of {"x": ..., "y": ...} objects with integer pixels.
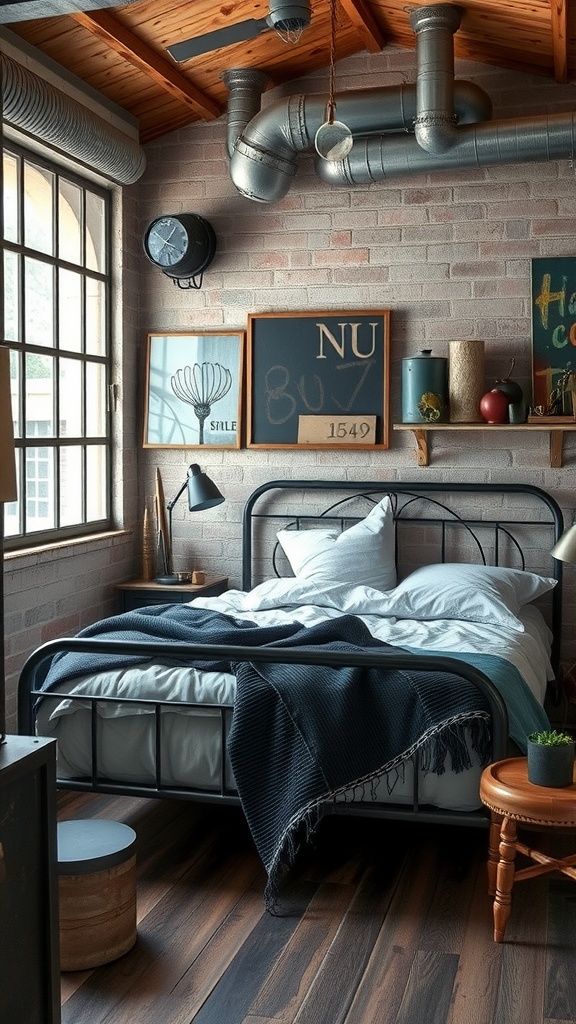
[{"x": 556, "y": 433}]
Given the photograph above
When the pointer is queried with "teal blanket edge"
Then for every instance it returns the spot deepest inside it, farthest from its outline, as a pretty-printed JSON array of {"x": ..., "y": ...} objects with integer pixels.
[{"x": 525, "y": 714}]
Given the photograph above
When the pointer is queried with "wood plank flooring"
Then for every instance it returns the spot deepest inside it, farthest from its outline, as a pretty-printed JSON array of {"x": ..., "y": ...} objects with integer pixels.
[{"x": 379, "y": 923}]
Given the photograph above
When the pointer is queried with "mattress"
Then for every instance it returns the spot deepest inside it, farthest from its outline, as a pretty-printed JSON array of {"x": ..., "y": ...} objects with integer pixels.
[{"x": 192, "y": 736}]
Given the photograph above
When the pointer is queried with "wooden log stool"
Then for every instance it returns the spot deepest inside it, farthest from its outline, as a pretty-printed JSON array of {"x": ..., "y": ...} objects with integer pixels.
[
  {"x": 97, "y": 892},
  {"x": 505, "y": 790}
]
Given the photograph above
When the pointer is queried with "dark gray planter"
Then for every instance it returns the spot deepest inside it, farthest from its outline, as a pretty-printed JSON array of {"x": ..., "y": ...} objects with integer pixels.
[{"x": 551, "y": 766}]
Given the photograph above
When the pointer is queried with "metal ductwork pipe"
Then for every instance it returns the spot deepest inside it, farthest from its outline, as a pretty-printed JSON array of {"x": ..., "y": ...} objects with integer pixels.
[
  {"x": 436, "y": 124},
  {"x": 435, "y": 121},
  {"x": 40, "y": 109},
  {"x": 549, "y": 137},
  {"x": 264, "y": 155},
  {"x": 245, "y": 86}
]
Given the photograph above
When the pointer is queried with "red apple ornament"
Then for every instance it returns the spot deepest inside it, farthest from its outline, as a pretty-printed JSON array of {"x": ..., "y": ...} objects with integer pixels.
[{"x": 494, "y": 406}]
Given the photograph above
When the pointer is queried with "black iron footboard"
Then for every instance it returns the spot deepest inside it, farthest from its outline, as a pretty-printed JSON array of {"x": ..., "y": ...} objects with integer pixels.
[{"x": 30, "y": 694}]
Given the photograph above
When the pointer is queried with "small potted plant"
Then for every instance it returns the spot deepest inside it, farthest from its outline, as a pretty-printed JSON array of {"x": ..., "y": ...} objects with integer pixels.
[{"x": 550, "y": 758}]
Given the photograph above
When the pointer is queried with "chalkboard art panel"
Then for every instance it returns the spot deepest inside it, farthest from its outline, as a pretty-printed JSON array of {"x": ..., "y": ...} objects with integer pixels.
[
  {"x": 554, "y": 335},
  {"x": 332, "y": 365}
]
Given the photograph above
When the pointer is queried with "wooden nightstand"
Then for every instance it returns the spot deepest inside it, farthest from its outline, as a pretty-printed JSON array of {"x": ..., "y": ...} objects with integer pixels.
[{"x": 139, "y": 593}]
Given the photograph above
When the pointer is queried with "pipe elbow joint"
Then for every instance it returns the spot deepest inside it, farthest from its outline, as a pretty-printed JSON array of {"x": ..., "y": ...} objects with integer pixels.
[
  {"x": 435, "y": 133},
  {"x": 260, "y": 174}
]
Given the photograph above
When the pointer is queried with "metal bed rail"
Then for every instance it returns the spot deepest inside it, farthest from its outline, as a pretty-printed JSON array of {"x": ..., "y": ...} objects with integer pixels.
[{"x": 30, "y": 693}]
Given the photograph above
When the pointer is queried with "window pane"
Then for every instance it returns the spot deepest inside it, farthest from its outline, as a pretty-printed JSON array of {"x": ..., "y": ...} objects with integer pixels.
[
  {"x": 69, "y": 222},
  {"x": 71, "y": 476},
  {"x": 11, "y": 297},
  {"x": 39, "y": 396},
  {"x": 10, "y": 185},
  {"x": 38, "y": 208},
  {"x": 70, "y": 398},
  {"x": 95, "y": 318},
  {"x": 39, "y": 304},
  {"x": 70, "y": 310},
  {"x": 39, "y": 489},
  {"x": 96, "y": 483},
  {"x": 15, "y": 390},
  {"x": 95, "y": 233},
  {"x": 12, "y": 508},
  {"x": 95, "y": 400}
]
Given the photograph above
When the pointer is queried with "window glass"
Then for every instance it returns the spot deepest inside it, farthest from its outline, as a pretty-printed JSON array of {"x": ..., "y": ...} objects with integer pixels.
[
  {"x": 11, "y": 205},
  {"x": 71, "y": 473},
  {"x": 71, "y": 404},
  {"x": 38, "y": 208},
  {"x": 70, "y": 313},
  {"x": 38, "y": 303}
]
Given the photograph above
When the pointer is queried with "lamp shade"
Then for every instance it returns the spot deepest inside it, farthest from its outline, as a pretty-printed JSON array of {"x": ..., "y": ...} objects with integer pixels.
[
  {"x": 202, "y": 491},
  {"x": 565, "y": 548},
  {"x": 8, "y": 490}
]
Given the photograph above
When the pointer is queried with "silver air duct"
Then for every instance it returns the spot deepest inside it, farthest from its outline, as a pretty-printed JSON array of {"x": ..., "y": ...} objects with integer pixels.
[
  {"x": 263, "y": 156},
  {"x": 40, "y": 109},
  {"x": 436, "y": 124}
]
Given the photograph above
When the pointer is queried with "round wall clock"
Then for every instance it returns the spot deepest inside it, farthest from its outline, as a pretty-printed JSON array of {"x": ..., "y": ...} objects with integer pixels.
[{"x": 181, "y": 245}]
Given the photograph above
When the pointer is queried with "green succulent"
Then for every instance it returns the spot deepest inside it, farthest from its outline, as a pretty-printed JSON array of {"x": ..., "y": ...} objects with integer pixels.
[{"x": 551, "y": 738}]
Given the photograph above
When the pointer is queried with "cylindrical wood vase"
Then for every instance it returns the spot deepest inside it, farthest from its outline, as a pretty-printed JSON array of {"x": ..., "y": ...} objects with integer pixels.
[
  {"x": 147, "y": 548},
  {"x": 466, "y": 381}
]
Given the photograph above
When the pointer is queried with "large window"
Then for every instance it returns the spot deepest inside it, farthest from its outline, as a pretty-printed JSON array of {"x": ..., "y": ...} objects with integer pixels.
[{"x": 56, "y": 323}]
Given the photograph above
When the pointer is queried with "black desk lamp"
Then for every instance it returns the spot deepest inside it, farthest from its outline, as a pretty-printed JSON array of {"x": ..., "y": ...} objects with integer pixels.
[{"x": 202, "y": 494}]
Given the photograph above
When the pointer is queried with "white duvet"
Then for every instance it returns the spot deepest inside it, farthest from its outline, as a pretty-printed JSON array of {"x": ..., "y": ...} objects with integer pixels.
[{"x": 191, "y": 737}]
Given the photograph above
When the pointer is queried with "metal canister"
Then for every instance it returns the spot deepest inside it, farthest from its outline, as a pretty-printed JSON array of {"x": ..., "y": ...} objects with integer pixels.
[{"x": 425, "y": 388}]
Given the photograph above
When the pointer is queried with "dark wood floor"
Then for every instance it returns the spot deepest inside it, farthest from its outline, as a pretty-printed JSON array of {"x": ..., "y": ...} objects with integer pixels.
[{"x": 381, "y": 924}]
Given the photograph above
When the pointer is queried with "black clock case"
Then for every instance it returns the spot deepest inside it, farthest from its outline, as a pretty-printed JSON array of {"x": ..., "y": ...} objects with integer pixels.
[{"x": 202, "y": 247}]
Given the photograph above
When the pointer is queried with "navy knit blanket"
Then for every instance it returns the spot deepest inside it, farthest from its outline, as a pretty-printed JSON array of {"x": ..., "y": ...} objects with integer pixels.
[{"x": 302, "y": 734}]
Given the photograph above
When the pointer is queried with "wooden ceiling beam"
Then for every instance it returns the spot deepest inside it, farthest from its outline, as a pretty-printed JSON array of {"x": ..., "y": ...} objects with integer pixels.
[
  {"x": 559, "y": 22},
  {"x": 138, "y": 53},
  {"x": 365, "y": 24}
]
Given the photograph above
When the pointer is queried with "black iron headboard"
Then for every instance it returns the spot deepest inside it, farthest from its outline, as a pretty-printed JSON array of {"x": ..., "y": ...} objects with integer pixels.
[{"x": 435, "y": 522}]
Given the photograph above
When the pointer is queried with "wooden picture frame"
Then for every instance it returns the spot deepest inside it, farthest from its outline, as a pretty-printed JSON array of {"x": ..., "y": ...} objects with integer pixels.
[
  {"x": 193, "y": 396},
  {"x": 318, "y": 380},
  {"x": 553, "y": 281}
]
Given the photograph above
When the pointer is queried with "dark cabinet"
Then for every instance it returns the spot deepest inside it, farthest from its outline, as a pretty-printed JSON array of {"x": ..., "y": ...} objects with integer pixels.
[{"x": 30, "y": 961}]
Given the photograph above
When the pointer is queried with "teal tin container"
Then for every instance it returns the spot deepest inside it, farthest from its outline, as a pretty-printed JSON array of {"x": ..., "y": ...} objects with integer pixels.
[{"x": 425, "y": 389}]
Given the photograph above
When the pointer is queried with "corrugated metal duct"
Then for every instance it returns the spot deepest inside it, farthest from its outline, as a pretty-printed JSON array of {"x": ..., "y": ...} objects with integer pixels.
[
  {"x": 436, "y": 124},
  {"x": 47, "y": 113}
]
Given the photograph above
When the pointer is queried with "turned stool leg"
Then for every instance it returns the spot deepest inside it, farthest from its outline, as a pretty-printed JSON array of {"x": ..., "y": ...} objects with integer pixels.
[
  {"x": 493, "y": 854},
  {"x": 504, "y": 877}
]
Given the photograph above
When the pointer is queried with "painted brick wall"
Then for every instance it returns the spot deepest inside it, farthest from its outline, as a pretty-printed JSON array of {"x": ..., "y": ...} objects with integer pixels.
[{"x": 448, "y": 253}]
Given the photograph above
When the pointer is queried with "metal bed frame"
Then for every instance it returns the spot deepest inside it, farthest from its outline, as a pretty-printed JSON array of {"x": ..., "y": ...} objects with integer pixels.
[{"x": 422, "y": 506}]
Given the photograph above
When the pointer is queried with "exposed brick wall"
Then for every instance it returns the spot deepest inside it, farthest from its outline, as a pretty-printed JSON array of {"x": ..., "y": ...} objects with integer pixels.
[{"x": 448, "y": 253}]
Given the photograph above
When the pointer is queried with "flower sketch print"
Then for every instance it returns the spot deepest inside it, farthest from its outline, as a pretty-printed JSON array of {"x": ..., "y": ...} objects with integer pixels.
[
  {"x": 194, "y": 390},
  {"x": 201, "y": 386}
]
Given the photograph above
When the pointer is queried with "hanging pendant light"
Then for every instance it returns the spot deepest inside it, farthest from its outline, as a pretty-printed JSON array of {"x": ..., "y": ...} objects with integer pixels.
[{"x": 333, "y": 139}]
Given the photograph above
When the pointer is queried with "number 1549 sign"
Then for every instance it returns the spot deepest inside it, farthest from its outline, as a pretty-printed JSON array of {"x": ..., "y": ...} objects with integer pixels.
[{"x": 318, "y": 380}]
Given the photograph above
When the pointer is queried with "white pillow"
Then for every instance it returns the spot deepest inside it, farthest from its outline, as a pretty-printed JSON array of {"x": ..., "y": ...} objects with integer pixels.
[
  {"x": 364, "y": 554},
  {"x": 475, "y": 593}
]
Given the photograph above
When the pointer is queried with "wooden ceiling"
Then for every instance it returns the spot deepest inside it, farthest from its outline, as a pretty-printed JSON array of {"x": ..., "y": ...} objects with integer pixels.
[{"x": 122, "y": 51}]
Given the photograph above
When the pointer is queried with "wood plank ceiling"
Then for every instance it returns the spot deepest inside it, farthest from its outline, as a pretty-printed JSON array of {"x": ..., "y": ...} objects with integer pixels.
[{"x": 122, "y": 51}]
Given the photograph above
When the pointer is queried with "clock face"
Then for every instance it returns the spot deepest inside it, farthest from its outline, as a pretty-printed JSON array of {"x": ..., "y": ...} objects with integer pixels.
[{"x": 167, "y": 241}]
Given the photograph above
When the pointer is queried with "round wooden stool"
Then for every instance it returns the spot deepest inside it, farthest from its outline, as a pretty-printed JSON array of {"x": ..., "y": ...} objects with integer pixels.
[
  {"x": 505, "y": 790},
  {"x": 97, "y": 892}
]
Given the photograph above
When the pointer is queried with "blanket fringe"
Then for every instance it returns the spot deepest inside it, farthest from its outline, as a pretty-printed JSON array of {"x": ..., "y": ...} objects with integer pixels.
[{"x": 446, "y": 742}]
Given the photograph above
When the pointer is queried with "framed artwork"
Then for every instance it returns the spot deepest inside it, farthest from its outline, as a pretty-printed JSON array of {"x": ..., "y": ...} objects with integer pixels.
[
  {"x": 554, "y": 337},
  {"x": 318, "y": 380},
  {"x": 194, "y": 389}
]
